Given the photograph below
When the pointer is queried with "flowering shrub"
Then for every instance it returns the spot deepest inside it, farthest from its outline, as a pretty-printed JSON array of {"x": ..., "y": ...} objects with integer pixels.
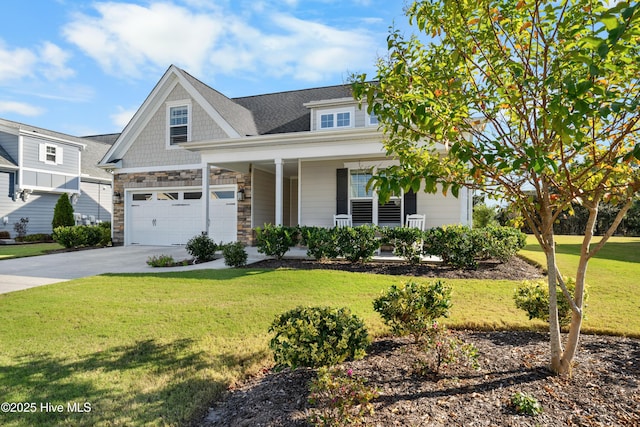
[
  {"x": 412, "y": 308},
  {"x": 317, "y": 336},
  {"x": 341, "y": 399}
]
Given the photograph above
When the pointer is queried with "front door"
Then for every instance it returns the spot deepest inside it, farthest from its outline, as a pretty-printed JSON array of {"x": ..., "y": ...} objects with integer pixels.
[{"x": 223, "y": 213}]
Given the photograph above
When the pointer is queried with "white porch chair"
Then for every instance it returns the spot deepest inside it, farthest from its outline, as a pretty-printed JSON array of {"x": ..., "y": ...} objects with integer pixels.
[
  {"x": 415, "y": 221},
  {"x": 342, "y": 220}
]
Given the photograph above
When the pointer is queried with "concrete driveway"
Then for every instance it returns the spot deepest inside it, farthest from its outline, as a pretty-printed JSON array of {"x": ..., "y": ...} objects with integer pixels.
[{"x": 23, "y": 273}]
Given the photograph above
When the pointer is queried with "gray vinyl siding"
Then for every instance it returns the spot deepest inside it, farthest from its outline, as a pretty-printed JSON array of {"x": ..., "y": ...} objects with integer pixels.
[
  {"x": 70, "y": 156},
  {"x": 6, "y": 201},
  {"x": 38, "y": 208},
  {"x": 94, "y": 200},
  {"x": 10, "y": 144}
]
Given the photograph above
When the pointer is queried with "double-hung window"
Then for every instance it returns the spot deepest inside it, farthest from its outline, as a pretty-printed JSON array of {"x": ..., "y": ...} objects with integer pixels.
[
  {"x": 178, "y": 116},
  {"x": 361, "y": 198},
  {"x": 364, "y": 203}
]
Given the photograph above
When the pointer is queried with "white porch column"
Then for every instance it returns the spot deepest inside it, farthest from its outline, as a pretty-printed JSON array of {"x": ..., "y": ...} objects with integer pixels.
[
  {"x": 205, "y": 196},
  {"x": 279, "y": 190}
]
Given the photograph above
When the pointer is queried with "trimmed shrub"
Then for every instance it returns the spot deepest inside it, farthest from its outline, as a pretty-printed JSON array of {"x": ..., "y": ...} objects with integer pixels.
[
  {"x": 105, "y": 229},
  {"x": 38, "y": 237},
  {"x": 357, "y": 244},
  {"x": 412, "y": 308},
  {"x": 532, "y": 296},
  {"x": 501, "y": 243},
  {"x": 63, "y": 213},
  {"x": 321, "y": 242},
  {"x": 406, "y": 241},
  {"x": 457, "y": 245},
  {"x": 276, "y": 240},
  {"x": 4, "y": 234},
  {"x": 317, "y": 336},
  {"x": 78, "y": 236},
  {"x": 234, "y": 254},
  {"x": 202, "y": 248}
]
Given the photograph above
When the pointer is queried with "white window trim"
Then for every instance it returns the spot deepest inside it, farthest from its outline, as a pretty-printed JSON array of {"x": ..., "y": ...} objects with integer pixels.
[
  {"x": 169, "y": 106},
  {"x": 335, "y": 112},
  {"x": 43, "y": 154}
]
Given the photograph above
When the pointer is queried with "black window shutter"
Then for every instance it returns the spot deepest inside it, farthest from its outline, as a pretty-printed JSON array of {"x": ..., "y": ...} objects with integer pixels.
[
  {"x": 342, "y": 191},
  {"x": 410, "y": 203}
]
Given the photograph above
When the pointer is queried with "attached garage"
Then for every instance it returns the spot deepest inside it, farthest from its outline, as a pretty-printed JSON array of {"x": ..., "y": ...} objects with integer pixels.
[{"x": 173, "y": 216}]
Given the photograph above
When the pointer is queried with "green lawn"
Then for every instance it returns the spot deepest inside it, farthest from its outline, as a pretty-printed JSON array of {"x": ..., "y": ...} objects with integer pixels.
[
  {"x": 157, "y": 349},
  {"x": 32, "y": 249},
  {"x": 613, "y": 281}
]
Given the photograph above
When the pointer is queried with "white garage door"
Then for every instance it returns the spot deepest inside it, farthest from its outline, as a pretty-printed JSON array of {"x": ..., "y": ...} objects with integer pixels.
[
  {"x": 168, "y": 217},
  {"x": 223, "y": 212}
]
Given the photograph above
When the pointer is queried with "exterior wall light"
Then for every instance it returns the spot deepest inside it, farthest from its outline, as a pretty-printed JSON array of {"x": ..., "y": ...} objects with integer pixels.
[
  {"x": 117, "y": 198},
  {"x": 240, "y": 195}
]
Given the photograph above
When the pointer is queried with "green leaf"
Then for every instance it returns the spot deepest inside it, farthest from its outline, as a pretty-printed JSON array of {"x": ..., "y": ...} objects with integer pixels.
[{"x": 610, "y": 22}]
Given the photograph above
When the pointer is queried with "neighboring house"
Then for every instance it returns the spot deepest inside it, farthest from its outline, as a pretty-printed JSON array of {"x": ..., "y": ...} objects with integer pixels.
[
  {"x": 192, "y": 160},
  {"x": 38, "y": 165}
]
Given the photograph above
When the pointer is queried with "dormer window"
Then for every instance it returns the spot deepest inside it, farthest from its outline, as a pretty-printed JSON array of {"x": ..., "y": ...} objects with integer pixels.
[
  {"x": 178, "y": 118},
  {"x": 334, "y": 119}
]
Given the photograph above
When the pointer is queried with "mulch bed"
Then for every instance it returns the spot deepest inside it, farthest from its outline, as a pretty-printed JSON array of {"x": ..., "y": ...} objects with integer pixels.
[
  {"x": 516, "y": 269},
  {"x": 603, "y": 389}
]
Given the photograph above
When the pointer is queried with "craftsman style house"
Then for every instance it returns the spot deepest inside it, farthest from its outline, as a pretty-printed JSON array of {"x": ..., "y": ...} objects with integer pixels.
[
  {"x": 38, "y": 165},
  {"x": 192, "y": 160}
]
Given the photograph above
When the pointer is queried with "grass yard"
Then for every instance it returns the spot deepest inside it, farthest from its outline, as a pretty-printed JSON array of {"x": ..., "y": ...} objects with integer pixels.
[
  {"x": 24, "y": 250},
  {"x": 613, "y": 281},
  {"x": 157, "y": 349}
]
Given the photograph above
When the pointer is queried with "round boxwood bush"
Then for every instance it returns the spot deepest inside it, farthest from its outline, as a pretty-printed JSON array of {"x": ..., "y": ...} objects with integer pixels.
[
  {"x": 317, "y": 336},
  {"x": 234, "y": 254},
  {"x": 202, "y": 248}
]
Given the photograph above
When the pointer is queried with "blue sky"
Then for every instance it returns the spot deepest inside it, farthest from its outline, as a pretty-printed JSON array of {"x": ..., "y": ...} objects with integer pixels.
[{"x": 83, "y": 67}]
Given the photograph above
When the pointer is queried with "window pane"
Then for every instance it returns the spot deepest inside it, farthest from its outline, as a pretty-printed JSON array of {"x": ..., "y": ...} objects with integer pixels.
[
  {"x": 193, "y": 195},
  {"x": 178, "y": 116},
  {"x": 326, "y": 121},
  {"x": 343, "y": 119},
  {"x": 358, "y": 184},
  {"x": 373, "y": 119},
  {"x": 178, "y": 134},
  {"x": 167, "y": 196},
  {"x": 230, "y": 194},
  {"x": 141, "y": 197}
]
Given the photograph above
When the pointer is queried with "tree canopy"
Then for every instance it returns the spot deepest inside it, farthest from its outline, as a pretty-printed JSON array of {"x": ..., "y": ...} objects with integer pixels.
[{"x": 535, "y": 102}]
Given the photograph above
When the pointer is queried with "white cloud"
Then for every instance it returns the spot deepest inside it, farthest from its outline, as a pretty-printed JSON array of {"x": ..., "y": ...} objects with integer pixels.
[
  {"x": 130, "y": 40},
  {"x": 125, "y": 38},
  {"x": 16, "y": 63},
  {"x": 54, "y": 60},
  {"x": 19, "y": 108},
  {"x": 122, "y": 117}
]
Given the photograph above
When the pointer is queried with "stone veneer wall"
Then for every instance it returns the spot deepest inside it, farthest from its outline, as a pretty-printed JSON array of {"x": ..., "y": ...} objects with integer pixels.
[{"x": 183, "y": 178}]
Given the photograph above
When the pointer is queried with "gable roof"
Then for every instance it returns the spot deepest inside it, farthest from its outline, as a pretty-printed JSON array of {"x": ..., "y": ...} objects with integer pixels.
[
  {"x": 274, "y": 113},
  {"x": 284, "y": 112}
]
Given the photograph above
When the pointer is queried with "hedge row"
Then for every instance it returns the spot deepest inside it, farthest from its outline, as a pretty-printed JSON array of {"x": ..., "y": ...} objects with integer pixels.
[{"x": 457, "y": 245}]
